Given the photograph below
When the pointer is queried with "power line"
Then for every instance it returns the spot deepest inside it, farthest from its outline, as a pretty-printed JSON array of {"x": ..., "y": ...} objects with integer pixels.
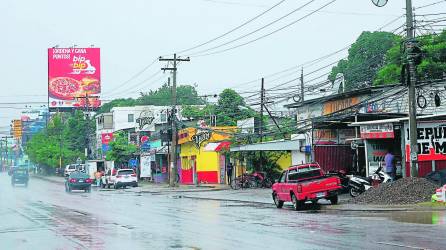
[
  {"x": 255, "y": 31},
  {"x": 270, "y": 33},
  {"x": 234, "y": 29},
  {"x": 133, "y": 77}
]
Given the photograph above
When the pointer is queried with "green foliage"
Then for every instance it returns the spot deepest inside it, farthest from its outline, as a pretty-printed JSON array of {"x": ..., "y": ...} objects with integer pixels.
[
  {"x": 121, "y": 151},
  {"x": 65, "y": 139},
  {"x": 186, "y": 95},
  {"x": 254, "y": 159},
  {"x": 230, "y": 108},
  {"x": 433, "y": 65},
  {"x": 365, "y": 58}
]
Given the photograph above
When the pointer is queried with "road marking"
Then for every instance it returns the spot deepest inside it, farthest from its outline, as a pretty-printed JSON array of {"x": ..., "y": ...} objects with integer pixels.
[{"x": 399, "y": 245}]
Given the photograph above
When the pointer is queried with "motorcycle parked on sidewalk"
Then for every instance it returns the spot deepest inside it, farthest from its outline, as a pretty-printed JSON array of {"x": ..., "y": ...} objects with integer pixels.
[
  {"x": 344, "y": 180},
  {"x": 359, "y": 184}
]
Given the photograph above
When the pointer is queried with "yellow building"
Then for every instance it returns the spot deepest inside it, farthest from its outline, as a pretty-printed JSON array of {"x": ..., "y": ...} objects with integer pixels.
[{"x": 202, "y": 153}]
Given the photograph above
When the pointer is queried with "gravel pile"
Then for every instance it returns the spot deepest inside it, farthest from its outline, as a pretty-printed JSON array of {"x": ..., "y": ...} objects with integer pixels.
[{"x": 402, "y": 191}]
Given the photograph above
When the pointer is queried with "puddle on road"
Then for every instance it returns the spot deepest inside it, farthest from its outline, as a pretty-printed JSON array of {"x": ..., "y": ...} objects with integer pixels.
[{"x": 419, "y": 217}]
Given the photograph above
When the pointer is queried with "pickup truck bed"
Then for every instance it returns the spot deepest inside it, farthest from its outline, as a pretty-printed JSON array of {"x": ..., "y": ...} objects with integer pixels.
[{"x": 304, "y": 183}]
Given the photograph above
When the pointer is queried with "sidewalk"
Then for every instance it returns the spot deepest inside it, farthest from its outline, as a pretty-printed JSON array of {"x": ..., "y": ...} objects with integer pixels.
[{"x": 159, "y": 188}]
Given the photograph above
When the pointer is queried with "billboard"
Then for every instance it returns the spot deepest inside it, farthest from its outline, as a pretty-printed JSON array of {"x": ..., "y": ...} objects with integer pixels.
[{"x": 74, "y": 78}]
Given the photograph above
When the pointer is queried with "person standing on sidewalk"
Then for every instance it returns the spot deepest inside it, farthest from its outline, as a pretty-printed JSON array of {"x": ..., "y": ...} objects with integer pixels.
[
  {"x": 229, "y": 169},
  {"x": 389, "y": 159}
]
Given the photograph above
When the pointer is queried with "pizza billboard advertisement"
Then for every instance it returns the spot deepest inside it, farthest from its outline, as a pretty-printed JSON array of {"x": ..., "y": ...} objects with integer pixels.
[{"x": 74, "y": 78}]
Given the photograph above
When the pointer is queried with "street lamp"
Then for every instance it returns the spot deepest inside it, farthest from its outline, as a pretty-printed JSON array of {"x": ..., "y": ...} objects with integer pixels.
[{"x": 379, "y": 3}]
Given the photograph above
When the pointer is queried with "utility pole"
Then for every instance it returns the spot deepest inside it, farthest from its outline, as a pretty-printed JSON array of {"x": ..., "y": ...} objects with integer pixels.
[
  {"x": 6, "y": 148},
  {"x": 302, "y": 85},
  {"x": 412, "y": 98},
  {"x": 412, "y": 81},
  {"x": 1, "y": 154},
  {"x": 87, "y": 118},
  {"x": 173, "y": 153},
  {"x": 262, "y": 103}
]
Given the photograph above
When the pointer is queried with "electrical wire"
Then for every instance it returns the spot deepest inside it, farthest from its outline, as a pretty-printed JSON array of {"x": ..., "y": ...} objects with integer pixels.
[
  {"x": 268, "y": 34},
  {"x": 254, "y": 31},
  {"x": 234, "y": 29}
]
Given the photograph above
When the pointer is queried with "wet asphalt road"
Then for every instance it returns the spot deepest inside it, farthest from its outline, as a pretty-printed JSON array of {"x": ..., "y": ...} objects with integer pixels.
[{"x": 43, "y": 216}]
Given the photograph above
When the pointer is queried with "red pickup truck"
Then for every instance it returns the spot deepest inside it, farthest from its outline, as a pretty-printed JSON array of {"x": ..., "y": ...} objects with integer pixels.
[{"x": 303, "y": 183}]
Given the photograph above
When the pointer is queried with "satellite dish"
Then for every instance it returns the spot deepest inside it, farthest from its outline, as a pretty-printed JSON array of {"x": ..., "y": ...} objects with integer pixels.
[{"x": 379, "y": 3}]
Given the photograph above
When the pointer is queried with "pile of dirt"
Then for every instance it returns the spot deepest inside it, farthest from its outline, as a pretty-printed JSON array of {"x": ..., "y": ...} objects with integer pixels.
[{"x": 402, "y": 191}]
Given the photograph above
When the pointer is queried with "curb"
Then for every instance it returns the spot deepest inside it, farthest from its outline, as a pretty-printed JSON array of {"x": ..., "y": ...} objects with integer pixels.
[{"x": 179, "y": 191}]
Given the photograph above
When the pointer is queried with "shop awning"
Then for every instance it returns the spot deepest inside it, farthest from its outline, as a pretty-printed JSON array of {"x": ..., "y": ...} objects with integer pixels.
[
  {"x": 217, "y": 146},
  {"x": 421, "y": 117}
]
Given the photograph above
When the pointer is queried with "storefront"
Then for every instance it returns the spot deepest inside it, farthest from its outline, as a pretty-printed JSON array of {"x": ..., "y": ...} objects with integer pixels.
[
  {"x": 431, "y": 141},
  {"x": 203, "y": 154},
  {"x": 393, "y": 134}
]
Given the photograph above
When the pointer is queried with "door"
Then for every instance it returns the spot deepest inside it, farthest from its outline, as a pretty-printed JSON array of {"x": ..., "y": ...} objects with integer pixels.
[
  {"x": 193, "y": 164},
  {"x": 282, "y": 186},
  {"x": 222, "y": 169}
]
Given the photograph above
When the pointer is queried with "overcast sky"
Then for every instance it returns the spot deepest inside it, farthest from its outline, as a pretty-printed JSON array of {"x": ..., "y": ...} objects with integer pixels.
[{"x": 133, "y": 33}]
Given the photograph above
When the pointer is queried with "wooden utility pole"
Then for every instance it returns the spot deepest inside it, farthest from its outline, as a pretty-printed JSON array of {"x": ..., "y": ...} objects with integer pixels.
[
  {"x": 262, "y": 103},
  {"x": 173, "y": 153},
  {"x": 412, "y": 97},
  {"x": 302, "y": 85}
]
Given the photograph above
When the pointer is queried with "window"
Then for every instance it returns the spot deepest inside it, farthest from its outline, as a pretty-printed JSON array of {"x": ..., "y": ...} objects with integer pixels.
[
  {"x": 130, "y": 117},
  {"x": 163, "y": 118},
  {"x": 303, "y": 173},
  {"x": 282, "y": 177}
]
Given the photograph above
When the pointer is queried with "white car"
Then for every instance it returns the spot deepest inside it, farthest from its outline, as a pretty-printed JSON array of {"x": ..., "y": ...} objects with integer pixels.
[
  {"x": 120, "y": 178},
  {"x": 69, "y": 169},
  {"x": 74, "y": 167}
]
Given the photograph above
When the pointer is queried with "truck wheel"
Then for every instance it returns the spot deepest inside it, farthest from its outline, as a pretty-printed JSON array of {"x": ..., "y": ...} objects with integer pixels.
[
  {"x": 297, "y": 205},
  {"x": 277, "y": 202},
  {"x": 334, "y": 200}
]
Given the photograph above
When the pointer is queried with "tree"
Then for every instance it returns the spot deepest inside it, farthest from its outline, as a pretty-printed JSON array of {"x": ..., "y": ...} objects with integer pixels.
[
  {"x": 365, "y": 57},
  {"x": 58, "y": 141},
  {"x": 121, "y": 151},
  {"x": 231, "y": 107},
  {"x": 186, "y": 95},
  {"x": 433, "y": 65}
]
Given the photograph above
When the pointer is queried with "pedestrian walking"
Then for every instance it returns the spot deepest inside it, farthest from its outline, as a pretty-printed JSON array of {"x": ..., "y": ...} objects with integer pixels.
[
  {"x": 389, "y": 160},
  {"x": 229, "y": 169}
]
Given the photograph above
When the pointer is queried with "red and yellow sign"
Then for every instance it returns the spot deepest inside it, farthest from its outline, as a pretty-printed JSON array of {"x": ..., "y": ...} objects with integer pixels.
[
  {"x": 215, "y": 134},
  {"x": 74, "y": 74}
]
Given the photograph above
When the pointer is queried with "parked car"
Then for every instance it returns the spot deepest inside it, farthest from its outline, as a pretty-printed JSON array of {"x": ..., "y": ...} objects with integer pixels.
[
  {"x": 78, "y": 181},
  {"x": 303, "y": 183},
  {"x": 19, "y": 176},
  {"x": 72, "y": 168},
  {"x": 119, "y": 178}
]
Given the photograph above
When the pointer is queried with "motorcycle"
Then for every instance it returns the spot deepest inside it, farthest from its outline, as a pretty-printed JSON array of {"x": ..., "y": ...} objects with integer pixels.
[
  {"x": 359, "y": 184},
  {"x": 344, "y": 179}
]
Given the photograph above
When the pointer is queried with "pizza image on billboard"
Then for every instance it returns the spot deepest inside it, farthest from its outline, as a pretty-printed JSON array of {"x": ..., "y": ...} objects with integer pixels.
[{"x": 74, "y": 73}]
